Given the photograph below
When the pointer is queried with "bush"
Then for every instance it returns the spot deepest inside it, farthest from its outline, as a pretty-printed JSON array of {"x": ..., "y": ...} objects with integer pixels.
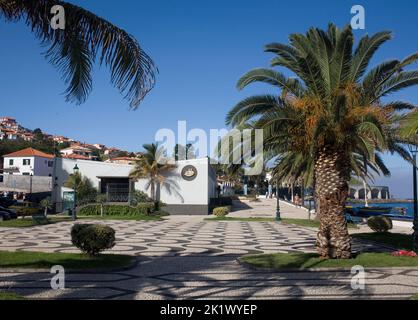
[
  {"x": 92, "y": 238},
  {"x": 115, "y": 210},
  {"x": 138, "y": 197},
  {"x": 380, "y": 224},
  {"x": 221, "y": 211},
  {"x": 25, "y": 211}
]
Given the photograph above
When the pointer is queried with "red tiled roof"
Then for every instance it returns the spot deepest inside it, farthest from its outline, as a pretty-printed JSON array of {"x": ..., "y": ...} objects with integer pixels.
[
  {"x": 76, "y": 157},
  {"x": 29, "y": 152}
]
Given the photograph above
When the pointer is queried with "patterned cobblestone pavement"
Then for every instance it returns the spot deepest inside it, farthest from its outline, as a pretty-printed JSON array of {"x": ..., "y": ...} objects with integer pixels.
[{"x": 187, "y": 257}]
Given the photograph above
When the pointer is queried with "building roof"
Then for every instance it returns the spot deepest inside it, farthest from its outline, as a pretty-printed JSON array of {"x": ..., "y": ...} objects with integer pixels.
[{"x": 29, "y": 152}]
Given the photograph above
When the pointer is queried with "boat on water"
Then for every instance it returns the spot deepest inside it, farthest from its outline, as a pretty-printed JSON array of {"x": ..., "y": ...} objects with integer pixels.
[{"x": 368, "y": 211}]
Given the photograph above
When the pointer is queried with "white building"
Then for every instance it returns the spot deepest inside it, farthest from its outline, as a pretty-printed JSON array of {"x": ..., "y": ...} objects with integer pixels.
[
  {"x": 29, "y": 162},
  {"x": 191, "y": 185}
]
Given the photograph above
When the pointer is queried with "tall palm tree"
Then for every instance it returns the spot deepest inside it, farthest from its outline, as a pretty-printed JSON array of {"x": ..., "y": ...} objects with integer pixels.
[
  {"x": 329, "y": 117},
  {"x": 151, "y": 167},
  {"x": 409, "y": 124},
  {"x": 86, "y": 37}
]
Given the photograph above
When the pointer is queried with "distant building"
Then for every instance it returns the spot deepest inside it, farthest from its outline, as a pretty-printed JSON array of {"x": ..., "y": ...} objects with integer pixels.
[
  {"x": 28, "y": 162},
  {"x": 371, "y": 193},
  {"x": 77, "y": 150},
  {"x": 9, "y": 123},
  {"x": 8, "y": 134}
]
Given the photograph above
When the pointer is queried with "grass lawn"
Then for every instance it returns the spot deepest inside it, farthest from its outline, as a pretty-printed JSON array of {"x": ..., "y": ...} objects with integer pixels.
[
  {"x": 397, "y": 240},
  {"x": 282, "y": 261},
  {"x": 22, "y": 259},
  {"x": 298, "y": 222},
  {"x": 10, "y": 296},
  {"x": 124, "y": 217},
  {"x": 415, "y": 297},
  {"x": 29, "y": 222}
]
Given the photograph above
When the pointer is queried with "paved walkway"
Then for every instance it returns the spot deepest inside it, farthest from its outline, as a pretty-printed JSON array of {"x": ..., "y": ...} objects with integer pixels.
[{"x": 188, "y": 257}]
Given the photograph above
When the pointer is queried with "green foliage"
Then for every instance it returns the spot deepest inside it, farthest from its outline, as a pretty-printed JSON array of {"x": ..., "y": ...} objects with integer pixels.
[
  {"x": 46, "y": 203},
  {"x": 25, "y": 210},
  {"x": 221, "y": 211},
  {"x": 139, "y": 197},
  {"x": 83, "y": 185},
  {"x": 116, "y": 210},
  {"x": 92, "y": 238},
  {"x": 87, "y": 39},
  {"x": 380, "y": 224},
  {"x": 101, "y": 198}
]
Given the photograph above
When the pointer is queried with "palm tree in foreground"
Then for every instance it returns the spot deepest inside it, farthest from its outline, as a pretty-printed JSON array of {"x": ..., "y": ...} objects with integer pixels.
[
  {"x": 154, "y": 169},
  {"x": 329, "y": 119},
  {"x": 74, "y": 50}
]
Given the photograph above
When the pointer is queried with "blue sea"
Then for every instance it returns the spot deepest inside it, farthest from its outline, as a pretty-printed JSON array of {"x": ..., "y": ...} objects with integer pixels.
[{"x": 396, "y": 207}]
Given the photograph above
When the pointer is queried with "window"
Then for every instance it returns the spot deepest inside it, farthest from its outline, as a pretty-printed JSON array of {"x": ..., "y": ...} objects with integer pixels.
[
  {"x": 50, "y": 164},
  {"x": 26, "y": 162},
  {"x": 11, "y": 162},
  {"x": 26, "y": 173}
]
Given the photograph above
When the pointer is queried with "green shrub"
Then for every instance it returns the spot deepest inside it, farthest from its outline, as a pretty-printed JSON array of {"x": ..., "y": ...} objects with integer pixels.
[
  {"x": 138, "y": 197},
  {"x": 92, "y": 238},
  {"x": 115, "y": 210},
  {"x": 221, "y": 211},
  {"x": 25, "y": 211},
  {"x": 380, "y": 224},
  {"x": 145, "y": 208}
]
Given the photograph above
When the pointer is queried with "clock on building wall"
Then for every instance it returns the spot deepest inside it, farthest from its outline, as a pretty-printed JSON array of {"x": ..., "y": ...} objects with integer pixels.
[{"x": 189, "y": 173}]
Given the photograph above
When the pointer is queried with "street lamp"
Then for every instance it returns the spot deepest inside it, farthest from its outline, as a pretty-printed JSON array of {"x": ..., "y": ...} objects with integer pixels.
[
  {"x": 278, "y": 217},
  {"x": 413, "y": 148},
  {"x": 75, "y": 171}
]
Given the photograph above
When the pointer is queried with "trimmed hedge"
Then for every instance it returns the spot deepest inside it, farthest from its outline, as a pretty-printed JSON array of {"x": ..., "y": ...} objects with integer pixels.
[
  {"x": 221, "y": 211},
  {"x": 115, "y": 210},
  {"x": 92, "y": 238},
  {"x": 380, "y": 224}
]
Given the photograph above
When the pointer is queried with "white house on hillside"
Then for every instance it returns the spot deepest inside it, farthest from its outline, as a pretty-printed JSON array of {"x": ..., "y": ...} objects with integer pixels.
[{"x": 29, "y": 162}]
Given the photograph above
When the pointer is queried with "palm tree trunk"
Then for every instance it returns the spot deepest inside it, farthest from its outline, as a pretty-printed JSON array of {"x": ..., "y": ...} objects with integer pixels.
[
  {"x": 332, "y": 174},
  {"x": 153, "y": 190}
]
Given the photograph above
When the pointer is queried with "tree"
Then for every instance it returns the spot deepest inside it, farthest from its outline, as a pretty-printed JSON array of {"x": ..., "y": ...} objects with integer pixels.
[
  {"x": 83, "y": 186},
  {"x": 184, "y": 152},
  {"x": 101, "y": 199},
  {"x": 152, "y": 166},
  {"x": 329, "y": 117},
  {"x": 85, "y": 37},
  {"x": 46, "y": 204}
]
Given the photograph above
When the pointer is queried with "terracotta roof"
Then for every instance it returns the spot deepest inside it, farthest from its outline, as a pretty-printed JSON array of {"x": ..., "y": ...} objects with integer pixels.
[
  {"x": 76, "y": 157},
  {"x": 29, "y": 152}
]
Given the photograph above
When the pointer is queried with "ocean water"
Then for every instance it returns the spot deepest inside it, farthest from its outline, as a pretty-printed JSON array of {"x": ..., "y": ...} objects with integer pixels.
[{"x": 396, "y": 206}]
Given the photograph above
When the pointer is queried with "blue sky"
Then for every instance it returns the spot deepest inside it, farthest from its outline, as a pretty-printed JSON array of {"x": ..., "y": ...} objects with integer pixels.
[{"x": 201, "y": 48}]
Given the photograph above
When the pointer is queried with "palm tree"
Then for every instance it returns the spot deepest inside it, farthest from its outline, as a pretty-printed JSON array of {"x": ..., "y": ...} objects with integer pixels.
[
  {"x": 409, "y": 124},
  {"x": 74, "y": 50},
  {"x": 46, "y": 204},
  {"x": 85, "y": 190},
  {"x": 329, "y": 117},
  {"x": 151, "y": 166}
]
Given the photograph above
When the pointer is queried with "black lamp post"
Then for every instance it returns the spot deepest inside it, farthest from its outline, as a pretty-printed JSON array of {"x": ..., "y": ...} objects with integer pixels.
[
  {"x": 75, "y": 171},
  {"x": 414, "y": 151},
  {"x": 278, "y": 217}
]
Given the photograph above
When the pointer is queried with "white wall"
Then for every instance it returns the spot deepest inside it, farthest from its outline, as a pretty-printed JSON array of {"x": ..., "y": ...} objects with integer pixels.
[
  {"x": 38, "y": 165},
  {"x": 183, "y": 192}
]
